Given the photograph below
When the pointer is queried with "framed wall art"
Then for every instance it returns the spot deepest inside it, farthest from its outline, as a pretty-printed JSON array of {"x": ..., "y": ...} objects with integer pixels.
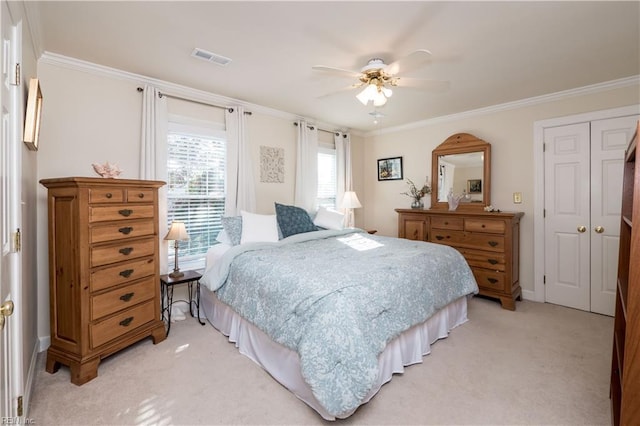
[
  {"x": 474, "y": 186},
  {"x": 32, "y": 115},
  {"x": 390, "y": 168}
]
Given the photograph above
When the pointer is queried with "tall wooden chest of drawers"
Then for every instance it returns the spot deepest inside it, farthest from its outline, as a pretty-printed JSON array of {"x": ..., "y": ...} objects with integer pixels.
[
  {"x": 104, "y": 286},
  {"x": 489, "y": 241}
]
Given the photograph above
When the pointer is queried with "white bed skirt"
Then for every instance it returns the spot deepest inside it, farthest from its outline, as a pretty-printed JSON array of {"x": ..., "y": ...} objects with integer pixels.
[{"x": 284, "y": 365}]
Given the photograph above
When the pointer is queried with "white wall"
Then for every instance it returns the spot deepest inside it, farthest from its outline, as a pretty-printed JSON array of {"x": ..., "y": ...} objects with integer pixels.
[{"x": 510, "y": 133}]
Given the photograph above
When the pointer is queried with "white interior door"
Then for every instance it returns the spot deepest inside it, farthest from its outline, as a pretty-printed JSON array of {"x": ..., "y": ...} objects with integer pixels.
[
  {"x": 567, "y": 199},
  {"x": 583, "y": 184},
  {"x": 609, "y": 139},
  {"x": 10, "y": 335}
]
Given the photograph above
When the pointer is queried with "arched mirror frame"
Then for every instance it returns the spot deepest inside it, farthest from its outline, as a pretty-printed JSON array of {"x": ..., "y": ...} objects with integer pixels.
[{"x": 462, "y": 143}]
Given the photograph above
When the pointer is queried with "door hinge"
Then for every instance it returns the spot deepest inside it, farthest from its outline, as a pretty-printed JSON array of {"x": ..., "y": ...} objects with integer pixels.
[
  {"x": 17, "y": 76},
  {"x": 17, "y": 241},
  {"x": 544, "y": 279},
  {"x": 544, "y": 147},
  {"x": 20, "y": 409},
  {"x": 544, "y": 212}
]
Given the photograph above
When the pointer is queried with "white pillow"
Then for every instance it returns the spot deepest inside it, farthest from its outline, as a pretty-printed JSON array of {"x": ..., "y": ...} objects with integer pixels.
[
  {"x": 330, "y": 219},
  {"x": 258, "y": 228}
]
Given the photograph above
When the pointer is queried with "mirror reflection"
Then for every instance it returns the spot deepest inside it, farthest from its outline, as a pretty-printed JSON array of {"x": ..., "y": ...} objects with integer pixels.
[
  {"x": 461, "y": 166},
  {"x": 461, "y": 174}
]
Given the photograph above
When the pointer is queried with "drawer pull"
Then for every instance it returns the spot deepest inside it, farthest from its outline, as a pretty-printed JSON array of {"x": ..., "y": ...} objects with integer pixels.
[
  {"x": 126, "y": 297},
  {"x": 492, "y": 280},
  {"x": 126, "y": 230},
  {"x": 446, "y": 223},
  {"x": 125, "y": 322},
  {"x": 492, "y": 261},
  {"x": 126, "y": 250},
  {"x": 109, "y": 195},
  {"x": 126, "y": 273},
  {"x": 141, "y": 195},
  {"x": 439, "y": 237},
  {"x": 125, "y": 212},
  {"x": 493, "y": 243}
]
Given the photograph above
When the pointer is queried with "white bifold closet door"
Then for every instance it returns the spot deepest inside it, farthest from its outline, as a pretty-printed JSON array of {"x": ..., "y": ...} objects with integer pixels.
[{"x": 583, "y": 184}]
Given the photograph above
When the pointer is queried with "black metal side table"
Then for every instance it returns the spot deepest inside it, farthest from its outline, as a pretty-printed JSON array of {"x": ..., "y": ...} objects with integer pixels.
[{"x": 166, "y": 294}]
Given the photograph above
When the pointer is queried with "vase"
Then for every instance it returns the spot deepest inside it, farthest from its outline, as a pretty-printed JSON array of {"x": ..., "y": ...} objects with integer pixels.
[
  {"x": 453, "y": 201},
  {"x": 417, "y": 204}
]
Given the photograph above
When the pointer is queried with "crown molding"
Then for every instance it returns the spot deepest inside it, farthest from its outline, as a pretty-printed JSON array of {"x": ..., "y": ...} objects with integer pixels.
[
  {"x": 536, "y": 100},
  {"x": 32, "y": 17},
  {"x": 172, "y": 88},
  {"x": 208, "y": 97}
]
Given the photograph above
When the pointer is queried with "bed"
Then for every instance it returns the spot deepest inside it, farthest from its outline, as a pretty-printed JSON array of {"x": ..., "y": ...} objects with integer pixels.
[{"x": 333, "y": 314}]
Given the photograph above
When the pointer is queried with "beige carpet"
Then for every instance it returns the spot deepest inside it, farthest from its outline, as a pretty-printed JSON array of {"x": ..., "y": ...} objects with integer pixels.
[{"x": 542, "y": 364}]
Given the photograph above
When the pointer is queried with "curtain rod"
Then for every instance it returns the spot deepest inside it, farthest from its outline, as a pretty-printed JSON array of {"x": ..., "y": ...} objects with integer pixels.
[
  {"x": 344, "y": 135},
  {"x": 160, "y": 94}
]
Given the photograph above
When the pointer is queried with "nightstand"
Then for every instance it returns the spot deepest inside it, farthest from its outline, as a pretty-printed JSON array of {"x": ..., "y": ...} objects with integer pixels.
[{"x": 166, "y": 294}]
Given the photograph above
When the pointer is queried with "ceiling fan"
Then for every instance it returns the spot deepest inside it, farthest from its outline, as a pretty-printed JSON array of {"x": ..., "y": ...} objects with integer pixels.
[{"x": 377, "y": 77}]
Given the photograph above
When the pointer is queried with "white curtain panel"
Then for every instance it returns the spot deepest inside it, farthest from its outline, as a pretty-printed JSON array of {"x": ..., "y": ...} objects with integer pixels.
[
  {"x": 153, "y": 155},
  {"x": 343, "y": 171},
  {"x": 306, "y": 187},
  {"x": 241, "y": 191}
]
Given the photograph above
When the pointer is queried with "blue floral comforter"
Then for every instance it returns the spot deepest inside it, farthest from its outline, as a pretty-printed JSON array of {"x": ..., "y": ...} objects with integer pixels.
[{"x": 337, "y": 298}]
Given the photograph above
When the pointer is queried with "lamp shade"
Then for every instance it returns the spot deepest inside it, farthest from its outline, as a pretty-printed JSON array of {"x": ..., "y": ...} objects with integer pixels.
[
  {"x": 376, "y": 93},
  {"x": 350, "y": 201},
  {"x": 177, "y": 232}
]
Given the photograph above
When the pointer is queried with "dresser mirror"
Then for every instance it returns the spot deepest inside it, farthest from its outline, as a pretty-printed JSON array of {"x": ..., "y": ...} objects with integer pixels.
[{"x": 461, "y": 165}]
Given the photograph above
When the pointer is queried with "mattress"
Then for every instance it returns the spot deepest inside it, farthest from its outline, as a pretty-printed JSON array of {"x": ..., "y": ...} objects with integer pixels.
[{"x": 283, "y": 364}]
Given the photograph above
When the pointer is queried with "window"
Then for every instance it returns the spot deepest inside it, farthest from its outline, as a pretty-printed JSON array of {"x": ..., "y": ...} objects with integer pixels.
[
  {"x": 327, "y": 184},
  {"x": 196, "y": 189}
]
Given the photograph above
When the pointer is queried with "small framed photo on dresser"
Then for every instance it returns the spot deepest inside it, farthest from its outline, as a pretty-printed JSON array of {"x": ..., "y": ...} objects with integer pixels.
[{"x": 390, "y": 168}]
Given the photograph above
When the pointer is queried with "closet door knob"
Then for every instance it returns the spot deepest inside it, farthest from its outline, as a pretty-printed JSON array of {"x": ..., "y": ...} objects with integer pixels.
[
  {"x": 582, "y": 228},
  {"x": 599, "y": 229}
]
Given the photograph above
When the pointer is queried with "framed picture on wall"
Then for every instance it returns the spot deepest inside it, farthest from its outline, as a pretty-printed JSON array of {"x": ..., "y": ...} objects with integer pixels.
[
  {"x": 390, "y": 168},
  {"x": 474, "y": 186},
  {"x": 32, "y": 115}
]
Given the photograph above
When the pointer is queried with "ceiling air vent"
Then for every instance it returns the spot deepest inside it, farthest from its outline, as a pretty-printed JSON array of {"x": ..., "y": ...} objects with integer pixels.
[{"x": 210, "y": 57}]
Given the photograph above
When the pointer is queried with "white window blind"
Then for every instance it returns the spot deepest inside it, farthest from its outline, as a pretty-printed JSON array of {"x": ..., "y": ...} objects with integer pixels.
[
  {"x": 196, "y": 190},
  {"x": 327, "y": 184}
]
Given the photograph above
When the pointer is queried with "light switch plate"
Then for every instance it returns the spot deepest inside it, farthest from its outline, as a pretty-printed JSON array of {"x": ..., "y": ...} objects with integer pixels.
[{"x": 517, "y": 197}]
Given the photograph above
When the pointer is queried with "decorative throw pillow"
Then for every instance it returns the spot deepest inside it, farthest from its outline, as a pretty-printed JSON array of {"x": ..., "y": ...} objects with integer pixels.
[
  {"x": 232, "y": 225},
  {"x": 293, "y": 220},
  {"x": 258, "y": 228},
  {"x": 329, "y": 219}
]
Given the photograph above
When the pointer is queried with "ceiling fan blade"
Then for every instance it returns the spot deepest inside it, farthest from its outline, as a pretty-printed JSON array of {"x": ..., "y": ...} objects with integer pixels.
[
  {"x": 336, "y": 71},
  {"x": 413, "y": 60},
  {"x": 341, "y": 90},
  {"x": 423, "y": 83}
]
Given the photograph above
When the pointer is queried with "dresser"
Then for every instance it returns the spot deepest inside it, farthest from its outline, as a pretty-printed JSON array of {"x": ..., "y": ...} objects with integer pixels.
[
  {"x": 489, "y": 241},
  {"x": 103, "y": 270},
  {"x": 625, "y": 360}
]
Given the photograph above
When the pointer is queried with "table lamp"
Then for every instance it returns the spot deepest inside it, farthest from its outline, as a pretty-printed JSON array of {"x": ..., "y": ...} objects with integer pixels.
[
  {"x": 350, "y": 201},
  {"x": 177, "y": 232}
]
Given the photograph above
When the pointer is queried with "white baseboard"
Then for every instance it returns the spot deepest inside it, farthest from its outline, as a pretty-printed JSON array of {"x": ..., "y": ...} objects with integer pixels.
[
  {"x": 45, "y": 342},
  {"x": 530, "y": 295},
  {"x": 31, "y": 375}
]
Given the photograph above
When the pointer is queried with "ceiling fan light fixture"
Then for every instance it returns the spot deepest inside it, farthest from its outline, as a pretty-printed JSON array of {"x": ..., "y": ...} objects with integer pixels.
[
  {"x": 379, "y": 99},
  {"x": 368, "y": 94}
]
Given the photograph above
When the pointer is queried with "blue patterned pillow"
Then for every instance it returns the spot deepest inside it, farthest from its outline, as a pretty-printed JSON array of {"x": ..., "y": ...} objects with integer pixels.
[
  {"x": 293, "y": 220},
  {"x": 233, "y": 227}
]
